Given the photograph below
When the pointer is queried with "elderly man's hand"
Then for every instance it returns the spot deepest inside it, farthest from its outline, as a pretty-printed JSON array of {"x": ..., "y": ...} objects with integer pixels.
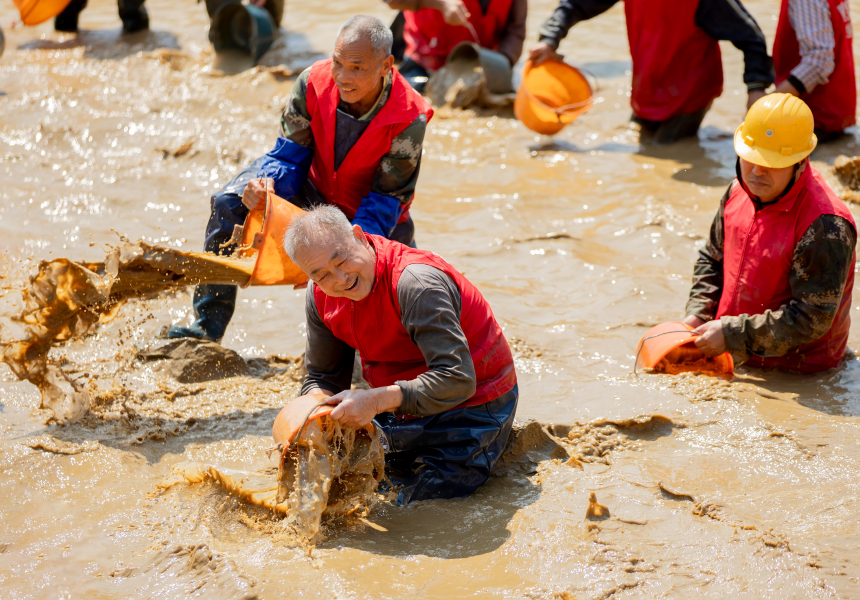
[
  {"x": 454, "y": 12},
  {"x": 356, "y": 408},
  {"x": 255, "y": 192},
  {"x": 543, "y": 51},
  {"x": 711, "y": 340}
]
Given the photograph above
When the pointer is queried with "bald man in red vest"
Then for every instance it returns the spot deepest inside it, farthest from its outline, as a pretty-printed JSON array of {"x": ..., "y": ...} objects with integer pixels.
[
  {"x": 351, "y": 136},
  {"x": 444, "y": 387},
  {"x": 432, "y": 28},
  {"x": 674, "y": 44}
]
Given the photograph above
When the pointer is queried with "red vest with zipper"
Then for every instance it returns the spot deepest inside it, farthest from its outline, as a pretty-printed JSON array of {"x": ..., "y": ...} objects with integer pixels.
[
  {"x": 757, "y": 262},
  {"x": 429, "y": 39},
  {"x": 373, "y": 326},
  {"x": 676, "y": 65},
  {"x": 346, "y": 186},
  {"x": 834, "y": 103}
]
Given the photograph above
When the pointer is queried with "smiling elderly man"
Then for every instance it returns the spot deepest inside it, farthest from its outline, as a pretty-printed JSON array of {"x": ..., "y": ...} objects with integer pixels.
[
  {"x": 444, "y": 388},
  {"x": 778, "y": 270},
  {"x": 351, "y": 136}
]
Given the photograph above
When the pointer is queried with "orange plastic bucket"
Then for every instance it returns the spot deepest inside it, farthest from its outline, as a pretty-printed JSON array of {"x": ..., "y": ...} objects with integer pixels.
[
  {"x": 670, "y": 348},
  {"x": 297, "y": 413},
  {"x": 551, "y": 95},
  {"x": 263, "y": 235},
  {"x": 34, "y": 12}
]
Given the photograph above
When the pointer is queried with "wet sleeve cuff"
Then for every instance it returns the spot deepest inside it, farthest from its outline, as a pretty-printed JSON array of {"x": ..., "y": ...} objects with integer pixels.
[
  {"x": 378, "y": 214},
  {"x": 288, "y": 164},
  {"x": 409, "y": 406},
  {"x": 733, "y": 335}
]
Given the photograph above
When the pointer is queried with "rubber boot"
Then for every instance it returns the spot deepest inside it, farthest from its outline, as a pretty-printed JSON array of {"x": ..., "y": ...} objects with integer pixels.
[
  {"x": 133, "y": 15},
  {"x": 213, "y": 307},
  {"x": 67, "y": 21}
]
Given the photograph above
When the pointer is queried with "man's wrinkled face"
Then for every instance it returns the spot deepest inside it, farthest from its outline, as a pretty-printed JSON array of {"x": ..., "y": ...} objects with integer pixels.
[
  {"x": 764, "y": 182},
  {"x": 341, "y": 268},
  {"x": 356, "y": 71}
]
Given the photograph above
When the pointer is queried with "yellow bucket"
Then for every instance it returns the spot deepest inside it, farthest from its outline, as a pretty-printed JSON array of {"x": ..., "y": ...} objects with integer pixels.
[
  {"x": 34, "y": 12},
  {"x": 263, "y": 235},
  {"x": 551, "y": 95}
]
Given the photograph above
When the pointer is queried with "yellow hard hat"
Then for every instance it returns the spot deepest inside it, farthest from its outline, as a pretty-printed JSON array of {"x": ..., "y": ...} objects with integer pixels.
[{"x": 777, "y": 133}]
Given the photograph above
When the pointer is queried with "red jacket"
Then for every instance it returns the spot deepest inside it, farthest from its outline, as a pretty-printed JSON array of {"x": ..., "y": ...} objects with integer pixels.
[
  {"x": 834, "y": 103},
  {"x": 757, "y": 257},
  {"x": 373, "y": 326},
  {"x": 676, "y": 65},
  {"x": 353, "y": 180},
  {"x": 429, "y": 39}
]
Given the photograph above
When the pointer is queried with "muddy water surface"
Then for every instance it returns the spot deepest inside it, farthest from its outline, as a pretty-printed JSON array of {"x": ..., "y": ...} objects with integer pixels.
[{"x": 747, "y": 488}]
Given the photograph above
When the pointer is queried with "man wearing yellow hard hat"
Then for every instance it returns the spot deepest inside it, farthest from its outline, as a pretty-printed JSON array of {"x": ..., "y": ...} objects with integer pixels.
[{"x": 773, "y": 283}]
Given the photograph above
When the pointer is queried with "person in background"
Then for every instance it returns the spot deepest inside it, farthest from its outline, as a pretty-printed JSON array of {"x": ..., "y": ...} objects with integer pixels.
[
  {"x": 677, "y": 69},
  {"x": 814, "y": 59},
  {"x": 131, "y": 12},
  {"x": 432, "y": 28},
  {"x": 443, "y": 383},
  {"x": 773, "y": 283},
  {"x": 351, "y": 136}
]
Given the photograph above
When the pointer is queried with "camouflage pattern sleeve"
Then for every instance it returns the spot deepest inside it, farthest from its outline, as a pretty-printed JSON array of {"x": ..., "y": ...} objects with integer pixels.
[
  {"x": 708, "y": 271},
  {"x": 398, "y": 172},
  {"x": 295, "y": 120},
  {"x": 822, "y": 261}
]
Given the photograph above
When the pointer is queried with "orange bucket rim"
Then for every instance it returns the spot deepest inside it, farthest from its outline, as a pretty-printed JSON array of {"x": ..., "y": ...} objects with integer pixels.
[
  {"x": 724, "y": 362},
  {"x": 564, "y": 109}
]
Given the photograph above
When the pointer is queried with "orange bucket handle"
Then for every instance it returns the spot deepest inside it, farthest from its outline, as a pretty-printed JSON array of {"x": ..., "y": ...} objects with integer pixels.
[{"x": 561, "y": 110}]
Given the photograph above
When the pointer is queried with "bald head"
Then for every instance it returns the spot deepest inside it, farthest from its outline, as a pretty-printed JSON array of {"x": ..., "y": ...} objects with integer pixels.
[{"x": 368, "y": 29}]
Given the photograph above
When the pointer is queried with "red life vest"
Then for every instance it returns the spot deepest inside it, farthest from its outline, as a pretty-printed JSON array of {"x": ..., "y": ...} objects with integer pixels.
[
  {"x": 676, "y": 65},
  {"x": 346, "y": 186},
  {"x": 757, "y": 261},
  {"x": 834, "y": 103},
  {"x": 373, "y": 326},
  {"x": 429, "y": 39}
]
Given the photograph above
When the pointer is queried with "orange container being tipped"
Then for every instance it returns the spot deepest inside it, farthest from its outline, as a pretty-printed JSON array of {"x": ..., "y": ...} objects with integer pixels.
[
  {"x": 552, "y": 95},
  {"x": 297, "y": 413},
  {"x": 34, "y": 12},
  {"x": 263, "y": 235},
  {"x": 670, "y": 348}
]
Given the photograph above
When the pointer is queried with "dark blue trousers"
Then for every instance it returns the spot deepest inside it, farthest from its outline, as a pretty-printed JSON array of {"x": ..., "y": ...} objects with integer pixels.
[
  {"x": 449, "y": 455},
  {"x": 214, "y": 304}
]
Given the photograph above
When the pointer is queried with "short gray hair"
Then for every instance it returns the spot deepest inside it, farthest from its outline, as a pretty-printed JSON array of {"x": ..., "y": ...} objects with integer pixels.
[
  {"x": 363, "y": 27},
  {"x": 321, "y": 223}
]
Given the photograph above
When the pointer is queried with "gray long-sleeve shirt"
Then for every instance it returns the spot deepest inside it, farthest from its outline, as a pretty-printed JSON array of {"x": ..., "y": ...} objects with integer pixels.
[{"x": 430, "y": 305}]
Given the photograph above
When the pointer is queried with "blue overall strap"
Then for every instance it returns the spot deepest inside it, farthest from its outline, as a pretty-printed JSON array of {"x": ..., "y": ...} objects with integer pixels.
[
  {"x": 378, "y": 214},
  {"x": 288, "y": 164}
]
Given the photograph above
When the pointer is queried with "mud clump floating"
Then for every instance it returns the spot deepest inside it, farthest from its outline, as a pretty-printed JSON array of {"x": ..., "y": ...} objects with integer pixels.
[
  {"x": 67, "y": 299},
  {"x": 333, "y": 471}
]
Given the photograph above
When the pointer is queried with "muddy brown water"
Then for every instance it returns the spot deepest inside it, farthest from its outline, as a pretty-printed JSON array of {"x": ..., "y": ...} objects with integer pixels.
[{"x": 745, "y": 488}]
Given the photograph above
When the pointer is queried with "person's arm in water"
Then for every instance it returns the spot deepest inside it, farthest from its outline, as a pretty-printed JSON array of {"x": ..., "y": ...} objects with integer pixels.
[
  {"x": 430, "y": 305},
  {"x": 822, "y": 260},
  {"x": 514, "y": 34},
  {"x": 728, "y": 20},
  {"x": 810, "y": 20},
  {"x": 708, "y": 273},
  {"x": 287, "y": 164},
  {"x": 394, "y": 183},
  {"x": 567, "y": 14}
]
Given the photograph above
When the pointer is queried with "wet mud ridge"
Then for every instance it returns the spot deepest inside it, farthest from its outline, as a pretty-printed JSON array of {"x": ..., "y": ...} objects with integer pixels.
[{"x": 67, "y": 300}]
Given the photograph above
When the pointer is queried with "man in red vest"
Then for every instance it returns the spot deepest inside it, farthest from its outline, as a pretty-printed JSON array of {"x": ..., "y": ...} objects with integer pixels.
[
  {"x": 444, "y": 388},
  {"x": 432, "y": 28},
  {"x": 814, "y": 60},
  {"x": 773, "y": 284},
  {"x": 351, "y": 136},
  {"x": 677, "y": 70}
]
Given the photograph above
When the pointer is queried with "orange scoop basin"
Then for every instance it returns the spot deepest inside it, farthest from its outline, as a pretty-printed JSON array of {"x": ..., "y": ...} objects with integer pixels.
[
  {"x": 670, "y": 348},
  {"x": 298, "y": 412}
]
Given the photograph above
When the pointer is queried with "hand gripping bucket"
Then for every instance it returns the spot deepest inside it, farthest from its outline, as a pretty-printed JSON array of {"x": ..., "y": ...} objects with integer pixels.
[
  {"x": 34, "y": 12},
  {"x": 263, "y": 235},
  {"x": 552, "y": 95},
  {"x": 295, "y": 416},
  {"x": 670, "y": 348}
]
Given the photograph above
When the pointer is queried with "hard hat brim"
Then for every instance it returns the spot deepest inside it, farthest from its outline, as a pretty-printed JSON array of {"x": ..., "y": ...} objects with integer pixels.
[{"x": 769, "y": 158}]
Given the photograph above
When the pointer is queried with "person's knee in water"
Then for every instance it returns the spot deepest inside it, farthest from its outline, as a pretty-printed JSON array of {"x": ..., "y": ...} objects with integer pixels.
[
  {"x": 327, "y": 146},
  {"x": 443, "y": 383}
]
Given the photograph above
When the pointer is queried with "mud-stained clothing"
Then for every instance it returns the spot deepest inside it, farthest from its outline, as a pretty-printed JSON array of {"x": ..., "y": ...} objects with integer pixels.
[
  {"x": 822, "y": 262},
  {"x": 724, "y": 20},
  {"x": 398, "y": 171}
]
